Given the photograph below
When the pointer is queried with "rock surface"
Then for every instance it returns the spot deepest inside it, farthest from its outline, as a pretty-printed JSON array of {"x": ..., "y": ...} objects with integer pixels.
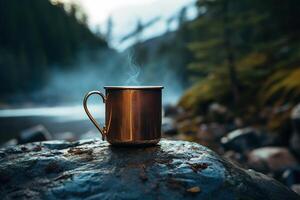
[{"x": 92, "y": 169}]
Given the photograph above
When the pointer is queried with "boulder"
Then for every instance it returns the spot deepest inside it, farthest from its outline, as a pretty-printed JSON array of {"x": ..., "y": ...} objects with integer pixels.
[
  {"x": 34, "y": 134},
  {"x": 271, "y": 159},
  {"x": 243, "y": 140},
  {"x": 92, "y": 169}
]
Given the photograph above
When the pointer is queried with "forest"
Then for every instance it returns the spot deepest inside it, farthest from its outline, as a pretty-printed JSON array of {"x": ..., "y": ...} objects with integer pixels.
[
  {"x": 244, "y": 55},
  {"x": 36, "y": 38}
]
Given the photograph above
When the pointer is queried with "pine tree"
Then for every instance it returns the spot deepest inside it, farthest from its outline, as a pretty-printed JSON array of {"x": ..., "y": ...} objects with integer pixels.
[{"x": 243, "y": 50}]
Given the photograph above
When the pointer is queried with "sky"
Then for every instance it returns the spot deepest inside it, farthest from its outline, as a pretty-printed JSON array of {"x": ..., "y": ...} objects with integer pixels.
[
  {"x": 126, "y": 13},
  {"x": 99, "y": 10}
]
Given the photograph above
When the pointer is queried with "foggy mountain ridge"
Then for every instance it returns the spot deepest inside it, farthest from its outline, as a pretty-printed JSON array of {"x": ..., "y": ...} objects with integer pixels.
[
  {"x": 153, "y": 44},
  {"x": 125, "y": 20}
]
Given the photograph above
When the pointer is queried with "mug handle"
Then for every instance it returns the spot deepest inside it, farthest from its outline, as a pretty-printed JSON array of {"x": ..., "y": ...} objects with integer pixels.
[{"x": 102, "y": 130}]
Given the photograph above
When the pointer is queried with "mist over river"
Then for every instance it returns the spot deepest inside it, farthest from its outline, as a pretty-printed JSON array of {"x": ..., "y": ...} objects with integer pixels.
[{"x": 58, "y": 120}]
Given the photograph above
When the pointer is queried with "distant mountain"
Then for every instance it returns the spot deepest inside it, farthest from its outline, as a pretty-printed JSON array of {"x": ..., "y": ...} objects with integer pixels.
[
  {"x": 153, "y": 45},
  {"x": 125, "y": 19}
]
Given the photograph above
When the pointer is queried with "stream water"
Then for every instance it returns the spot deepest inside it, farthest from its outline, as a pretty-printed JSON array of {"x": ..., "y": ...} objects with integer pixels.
[{"x": 56, "y": 120}]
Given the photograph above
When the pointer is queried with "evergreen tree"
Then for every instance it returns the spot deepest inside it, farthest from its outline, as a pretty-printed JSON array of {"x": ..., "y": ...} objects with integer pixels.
[
  {"x": 36, "y": 36},
  {"x": 245, "y": 52}
]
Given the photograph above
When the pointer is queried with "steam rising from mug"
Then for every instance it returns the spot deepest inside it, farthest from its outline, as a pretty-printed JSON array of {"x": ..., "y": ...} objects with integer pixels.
[
  {"x": 108, "y": 68},
  {"x": 134, "y": 72}
]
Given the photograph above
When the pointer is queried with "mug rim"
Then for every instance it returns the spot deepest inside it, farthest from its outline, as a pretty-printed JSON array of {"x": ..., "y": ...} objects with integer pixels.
[{"x": 133, "y": 87}]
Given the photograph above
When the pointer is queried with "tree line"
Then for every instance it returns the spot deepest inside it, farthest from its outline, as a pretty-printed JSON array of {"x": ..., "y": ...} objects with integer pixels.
[
  {"x": 246, "y": 54},
  {"x": 37, "y": 36}
]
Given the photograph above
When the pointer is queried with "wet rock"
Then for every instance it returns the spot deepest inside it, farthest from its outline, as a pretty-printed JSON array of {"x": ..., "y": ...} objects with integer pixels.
[
  {"x": 271, "y": 159},
  {"x": 34, "y": 134},
  {"x": 91, "y": 169},
  {"x": 242, "y": 140},
  {"x": 295, "y": 138}
]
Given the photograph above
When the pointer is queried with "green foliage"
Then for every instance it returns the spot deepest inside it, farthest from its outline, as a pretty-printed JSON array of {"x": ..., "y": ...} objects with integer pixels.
[
  {"x": 283, "y": 84},
  {"x": 251, "y": 69},
  {"x": 214, "y": 87},
  {"x": 247, "y": 49}
]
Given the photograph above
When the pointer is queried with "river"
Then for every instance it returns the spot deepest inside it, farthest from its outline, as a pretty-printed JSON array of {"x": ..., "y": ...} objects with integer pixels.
[{"x": 57, "y": 120}]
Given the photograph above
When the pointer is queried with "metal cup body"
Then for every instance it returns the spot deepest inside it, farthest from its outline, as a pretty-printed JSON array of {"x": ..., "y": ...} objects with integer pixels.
[{"x": 133, "y": 115}]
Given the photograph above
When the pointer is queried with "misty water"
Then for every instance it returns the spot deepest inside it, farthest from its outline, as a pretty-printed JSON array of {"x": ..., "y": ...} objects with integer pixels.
[{"x": 58, "y": 106}]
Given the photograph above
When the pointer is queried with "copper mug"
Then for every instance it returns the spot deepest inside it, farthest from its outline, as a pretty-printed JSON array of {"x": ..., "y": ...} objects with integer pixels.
[{"x": 132, "y": 114}]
